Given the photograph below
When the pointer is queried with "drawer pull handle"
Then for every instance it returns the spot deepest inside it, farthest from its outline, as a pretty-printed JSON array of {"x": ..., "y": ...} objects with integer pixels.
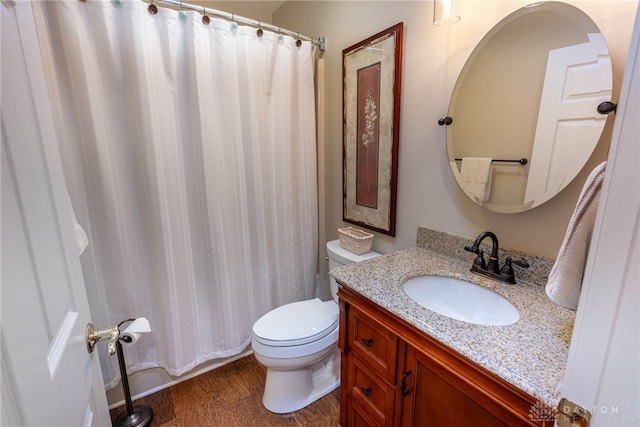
[
  {"x": 403, "y": 384},
  {"x": 367, "y": 342},
  {"x": 366, "y": 391}
]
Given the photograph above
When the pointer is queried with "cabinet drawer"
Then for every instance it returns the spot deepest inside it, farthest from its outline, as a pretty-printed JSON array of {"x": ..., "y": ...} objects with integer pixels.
[
  {"x": 371, "y": 392},
  {"x": 357, "y": 416},
  {"x": 373, "y": 342}
]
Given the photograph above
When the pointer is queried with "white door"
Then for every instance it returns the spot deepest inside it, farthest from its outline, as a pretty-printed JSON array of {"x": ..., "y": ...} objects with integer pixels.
[
  {"x": 48, "y": 377},
  {"x": 577, "y": 80},
  {"x": 603, "y": 370}
]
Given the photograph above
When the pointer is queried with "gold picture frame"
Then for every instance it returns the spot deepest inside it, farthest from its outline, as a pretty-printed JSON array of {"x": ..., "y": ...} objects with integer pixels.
[{"x": 372, "y": 72}]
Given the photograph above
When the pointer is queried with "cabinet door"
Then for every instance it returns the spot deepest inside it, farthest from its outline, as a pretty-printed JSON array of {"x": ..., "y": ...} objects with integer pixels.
[{"x": 436, "y": 397}]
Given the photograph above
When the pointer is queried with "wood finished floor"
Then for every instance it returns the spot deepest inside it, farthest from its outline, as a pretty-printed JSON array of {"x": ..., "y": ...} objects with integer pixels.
[{"x": 231, "y": 396}]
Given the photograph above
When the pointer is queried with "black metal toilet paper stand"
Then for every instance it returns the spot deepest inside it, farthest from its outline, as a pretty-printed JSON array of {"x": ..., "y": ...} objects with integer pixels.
[{"x": 136, "y": 416}]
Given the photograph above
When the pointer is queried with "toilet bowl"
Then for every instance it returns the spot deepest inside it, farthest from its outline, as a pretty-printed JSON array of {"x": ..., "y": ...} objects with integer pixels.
[{"x": 298, "y": 344}]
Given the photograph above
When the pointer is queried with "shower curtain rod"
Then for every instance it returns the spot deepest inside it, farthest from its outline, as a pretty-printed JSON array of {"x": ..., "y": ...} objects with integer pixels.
[{"x": 320, "y": 41}]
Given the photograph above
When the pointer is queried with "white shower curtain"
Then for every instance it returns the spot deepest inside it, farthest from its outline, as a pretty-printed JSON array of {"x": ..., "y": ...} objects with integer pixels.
[{"x": 189, "y": 154}]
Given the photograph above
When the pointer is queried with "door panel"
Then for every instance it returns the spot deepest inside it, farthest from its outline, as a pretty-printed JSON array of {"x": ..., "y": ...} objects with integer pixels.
[
  {"x": 48, "y": 377},
  {"x": 569, "y": 126},
  {"x": 604, "y": 358}
]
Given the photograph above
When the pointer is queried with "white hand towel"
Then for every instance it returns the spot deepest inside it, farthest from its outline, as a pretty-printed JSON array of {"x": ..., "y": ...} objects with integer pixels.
[
  {"x": 476, "y": 173},
  {"x": 565, "y": 279}
]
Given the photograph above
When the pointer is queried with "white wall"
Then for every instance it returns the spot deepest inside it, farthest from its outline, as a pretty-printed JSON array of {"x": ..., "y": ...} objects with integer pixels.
[{"x": 433, "y": 56}]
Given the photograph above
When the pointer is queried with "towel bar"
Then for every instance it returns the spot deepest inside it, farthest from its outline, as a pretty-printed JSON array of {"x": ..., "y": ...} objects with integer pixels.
[{"x": 522, "y": 161}]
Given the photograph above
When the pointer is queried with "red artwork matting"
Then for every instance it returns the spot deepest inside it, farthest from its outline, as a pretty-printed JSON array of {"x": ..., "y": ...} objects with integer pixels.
[{"x": 368, "y": 136}]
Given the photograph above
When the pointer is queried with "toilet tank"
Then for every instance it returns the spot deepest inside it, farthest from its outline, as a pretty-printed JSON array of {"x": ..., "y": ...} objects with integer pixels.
[{"x": 339, "y": 256}]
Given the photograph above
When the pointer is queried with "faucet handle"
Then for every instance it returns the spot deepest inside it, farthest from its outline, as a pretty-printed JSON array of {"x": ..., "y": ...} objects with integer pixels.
[
  {"x": 521, "y": 263},
  {"x": 479, "y": 261},
  {"x": 507, "y": 269}
]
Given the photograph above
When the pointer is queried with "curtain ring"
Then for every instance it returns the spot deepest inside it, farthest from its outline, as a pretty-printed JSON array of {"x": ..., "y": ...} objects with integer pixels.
[
  {"x": 153, "y": 9},
  {"x": 298, "y": 41},
  {"x": 182, "y": 15},
  {"x": 233, "y": 26},
  {"x": 259, "y": 33},
  {"x": 280, "y": 36},
  {"x": 205, "y": 17}
]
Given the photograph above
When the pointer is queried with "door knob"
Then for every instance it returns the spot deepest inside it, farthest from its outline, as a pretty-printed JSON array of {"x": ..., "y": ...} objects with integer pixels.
[
  {"x": 607, "y": 107},
  {"x": 94, "y": 335},
  {"x": 572, "y": 415}
]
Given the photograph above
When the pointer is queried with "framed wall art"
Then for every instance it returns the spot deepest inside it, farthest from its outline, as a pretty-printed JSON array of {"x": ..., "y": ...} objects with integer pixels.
[{"x": 372, "y": 71}]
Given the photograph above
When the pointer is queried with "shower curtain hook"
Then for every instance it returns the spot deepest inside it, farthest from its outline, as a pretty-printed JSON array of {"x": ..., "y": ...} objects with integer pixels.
[
  {"x": 298, "y": 41},
  {"x": 234, "y": 25},
  {"x": 153, "y": 9},
  {"x": 205, "y": 17},
  {"x": 259, "y": 33},
  {"x": 280, "y": 36},
  {"x": 182, "y": 15}
]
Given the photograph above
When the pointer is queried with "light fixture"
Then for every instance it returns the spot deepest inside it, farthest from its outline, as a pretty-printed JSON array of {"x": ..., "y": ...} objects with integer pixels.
[{"x": 444, "y": 12}]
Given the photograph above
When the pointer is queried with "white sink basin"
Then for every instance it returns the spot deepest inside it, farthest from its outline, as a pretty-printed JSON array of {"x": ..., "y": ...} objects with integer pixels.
[{"x": 461, "y": 300}]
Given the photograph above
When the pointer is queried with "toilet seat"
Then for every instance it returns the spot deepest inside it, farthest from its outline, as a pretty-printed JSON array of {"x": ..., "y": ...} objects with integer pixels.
[
  {"x": 282, "y": 353},
  {"x": 297, "y": 323}
]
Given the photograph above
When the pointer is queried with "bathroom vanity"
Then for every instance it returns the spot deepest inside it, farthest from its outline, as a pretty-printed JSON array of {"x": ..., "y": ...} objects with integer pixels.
[
  {"x": 394, "y": 375},
  {"x": 405, "y": 365}
]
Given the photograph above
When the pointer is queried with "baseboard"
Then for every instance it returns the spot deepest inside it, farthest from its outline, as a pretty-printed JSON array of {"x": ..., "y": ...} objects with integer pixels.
[{"x": 149, "y": 381}]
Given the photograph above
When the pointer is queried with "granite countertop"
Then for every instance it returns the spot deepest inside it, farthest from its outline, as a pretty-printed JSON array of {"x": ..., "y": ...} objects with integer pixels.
[{"x": 531, "y": 353}]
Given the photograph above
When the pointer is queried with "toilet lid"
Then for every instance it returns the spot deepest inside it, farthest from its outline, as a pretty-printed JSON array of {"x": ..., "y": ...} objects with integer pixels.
[{"x": 298, "y": 322}]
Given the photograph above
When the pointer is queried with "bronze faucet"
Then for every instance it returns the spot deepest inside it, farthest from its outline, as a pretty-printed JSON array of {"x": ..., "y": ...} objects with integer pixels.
[{"x": 492, "y": 269}]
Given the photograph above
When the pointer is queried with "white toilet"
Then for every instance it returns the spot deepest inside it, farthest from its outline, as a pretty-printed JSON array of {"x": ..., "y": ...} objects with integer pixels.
[{"x": 297, "y": 343}]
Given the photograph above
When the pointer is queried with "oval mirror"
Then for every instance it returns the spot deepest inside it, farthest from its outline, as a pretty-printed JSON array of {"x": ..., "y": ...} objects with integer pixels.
[{"x": 524, "y": 107}]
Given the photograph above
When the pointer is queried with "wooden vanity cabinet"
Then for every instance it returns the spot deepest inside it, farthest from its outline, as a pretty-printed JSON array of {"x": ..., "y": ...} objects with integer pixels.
[
  {"x": 395, "y": 375},
  {"x": 368, "y": 369}
]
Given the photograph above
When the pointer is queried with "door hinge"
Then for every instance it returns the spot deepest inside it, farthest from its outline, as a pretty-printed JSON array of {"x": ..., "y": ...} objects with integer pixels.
[{"x": 572, "y": 415}]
